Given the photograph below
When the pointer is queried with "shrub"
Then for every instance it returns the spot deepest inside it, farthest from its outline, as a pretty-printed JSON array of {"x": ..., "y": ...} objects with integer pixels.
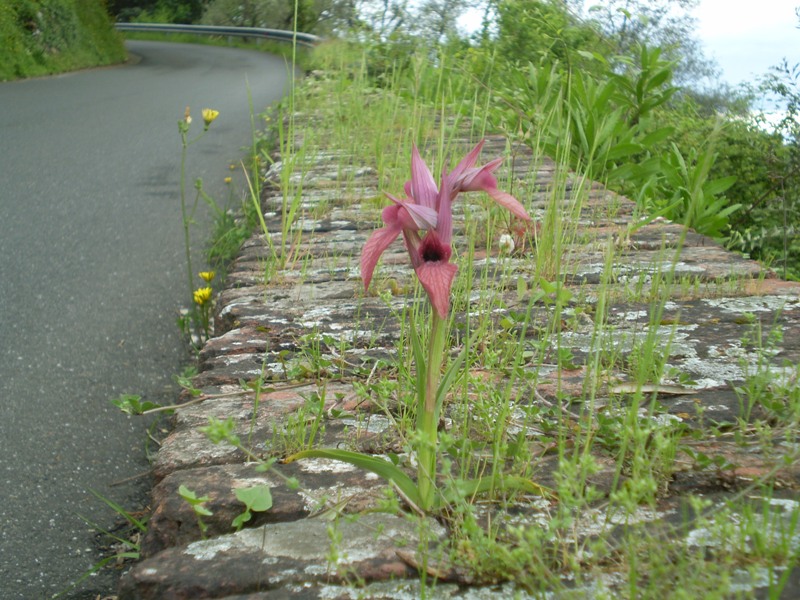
[{"x": 40, "y": 37}]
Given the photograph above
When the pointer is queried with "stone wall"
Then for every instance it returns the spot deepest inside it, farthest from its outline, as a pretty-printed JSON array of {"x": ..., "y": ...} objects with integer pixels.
[{"x": 313, "y": 336}]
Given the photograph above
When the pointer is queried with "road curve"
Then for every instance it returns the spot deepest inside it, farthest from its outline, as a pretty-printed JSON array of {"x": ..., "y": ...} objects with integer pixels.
[{"x": 91, "y": 277}]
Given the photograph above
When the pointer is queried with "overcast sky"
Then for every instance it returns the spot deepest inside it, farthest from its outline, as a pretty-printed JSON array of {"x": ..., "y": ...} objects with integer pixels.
[{"x": 747, "y": 37}]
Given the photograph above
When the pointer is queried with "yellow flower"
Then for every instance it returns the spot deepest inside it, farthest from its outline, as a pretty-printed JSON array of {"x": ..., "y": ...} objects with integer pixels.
[
  {"x": 228, "y": 180},
  {"x": 209, "y": 114},
  {"x": 207, "y": 275},
  {"x": 202, "y": 295},
  {"x": 232, "y": 167}
]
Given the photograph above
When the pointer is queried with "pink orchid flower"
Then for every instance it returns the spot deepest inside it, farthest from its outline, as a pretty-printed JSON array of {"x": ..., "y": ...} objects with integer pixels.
[
  {"x": 428, "y": 208},
  {"x": 430, "y": 254}
]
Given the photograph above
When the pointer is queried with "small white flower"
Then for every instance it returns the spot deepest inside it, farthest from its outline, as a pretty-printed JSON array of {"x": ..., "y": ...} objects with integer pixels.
[{"x": 506, "y": 244}]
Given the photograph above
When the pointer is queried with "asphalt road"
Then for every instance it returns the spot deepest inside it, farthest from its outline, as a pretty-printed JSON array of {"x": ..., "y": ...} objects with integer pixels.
[{"x": 92, "y": 275}]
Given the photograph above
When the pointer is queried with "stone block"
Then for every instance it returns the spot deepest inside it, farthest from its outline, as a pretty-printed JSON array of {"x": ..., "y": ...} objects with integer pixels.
[{"x": 275, "y": 555}]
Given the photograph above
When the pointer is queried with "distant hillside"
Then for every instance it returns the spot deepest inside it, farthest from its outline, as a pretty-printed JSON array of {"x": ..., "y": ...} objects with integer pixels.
[{"x": 38, "y": 37}]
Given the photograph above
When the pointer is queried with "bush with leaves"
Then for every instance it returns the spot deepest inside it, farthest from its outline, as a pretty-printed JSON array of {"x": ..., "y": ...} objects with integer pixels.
[{"x": 39, "y": 37}]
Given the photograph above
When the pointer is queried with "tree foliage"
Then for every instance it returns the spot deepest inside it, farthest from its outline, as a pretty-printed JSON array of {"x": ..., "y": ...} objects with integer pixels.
[
  {"x": 321, "y": 17},
  {"x": 665, "y": 24},
  {"x": 539, "y": 31},
  {"x": 437, "y": 18},
  {"x": 159, "y": 11}
]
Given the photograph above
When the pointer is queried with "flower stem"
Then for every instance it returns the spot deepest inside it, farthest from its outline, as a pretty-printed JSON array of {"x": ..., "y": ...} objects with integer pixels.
[
  {"x": 428, "y": 409},
  {"x": 185, "y": 216},
  {"x": 186, "y": 223}
]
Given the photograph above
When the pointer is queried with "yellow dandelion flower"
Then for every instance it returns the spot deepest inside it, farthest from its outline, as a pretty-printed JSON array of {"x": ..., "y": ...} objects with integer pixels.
[
  {"x": 209, "y": 114},
  {"x": 227, "y": 180},
  {"x": 202, "y": 295},
  {"x": 232, "y": 167},
  {"x": 207, "y": 275}
]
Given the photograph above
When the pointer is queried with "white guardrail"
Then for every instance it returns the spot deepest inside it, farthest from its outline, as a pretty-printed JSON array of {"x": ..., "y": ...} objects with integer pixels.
[{"x": 304, "y": 39}]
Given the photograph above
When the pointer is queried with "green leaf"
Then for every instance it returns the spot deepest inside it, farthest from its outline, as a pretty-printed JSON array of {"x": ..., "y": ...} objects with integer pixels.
[
  {"x": 218, "y": 431},
  {"x": 419, "y": 363},
  {"x": 557, "y": 289},
  {"x": 717, "y": 186},
  {"x": 605, "y": 93},
  {"x": 467, "y": 489},
  {"x": 379, "y": 466},
  {"x": 241, "y": 519},
  {"x": 257, "y": 498},
  {"x": 624, "y": 171},
  {"x": 522, "y": 288},
  {"x": 548, "y": 287},
  {"x": 623, "y": 151},
  {"x": 131, "y": 404},
  {"x": 589, "y": 55},
  {"x": 729, "y": 210},
  {"x": 266, "y": 465},
  {"x": 656, "y": 137},
  {"x": 449, "y": 377},
  {"x": 190, "y": 496},
  {"x": 658, "y": 79}
]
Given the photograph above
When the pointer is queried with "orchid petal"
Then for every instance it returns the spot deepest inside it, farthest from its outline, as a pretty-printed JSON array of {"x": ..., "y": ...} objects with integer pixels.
[
  {"x": 413, "y": 243},
  {"x": 377, "y": 243},
  {"x": 444, "y": 201},
  {"x": 481, "y": 179},
  {"x": 467, "y": 162},
  {"x": 423, "y": 187},
  {"x": 390, "y": 216},
  {"x": 424, "y": 217},
  {"x": 478, "y": 178},
  {"x": 508, "y": 202}
]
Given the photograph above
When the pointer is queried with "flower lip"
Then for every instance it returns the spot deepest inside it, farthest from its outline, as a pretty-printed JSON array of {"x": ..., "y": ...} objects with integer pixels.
[{"x": 433, "y": 250}]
